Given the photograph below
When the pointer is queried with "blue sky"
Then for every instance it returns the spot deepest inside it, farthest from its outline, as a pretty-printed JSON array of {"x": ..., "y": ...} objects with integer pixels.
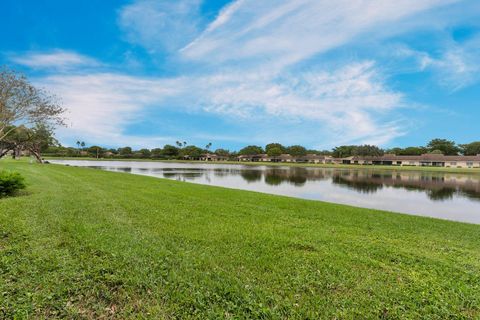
[{"x": 314, "y": 72}]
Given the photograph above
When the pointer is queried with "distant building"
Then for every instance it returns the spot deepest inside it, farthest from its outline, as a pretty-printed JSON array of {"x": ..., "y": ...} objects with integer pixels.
[
  {"x": 213, "y": 157},
  {"x": 426, "y": 160}
]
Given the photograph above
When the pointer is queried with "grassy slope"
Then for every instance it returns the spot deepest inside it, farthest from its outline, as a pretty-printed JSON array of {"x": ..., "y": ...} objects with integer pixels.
[
  {"x": 89, "y": 243},
  {"x": 289, "y": 164}
]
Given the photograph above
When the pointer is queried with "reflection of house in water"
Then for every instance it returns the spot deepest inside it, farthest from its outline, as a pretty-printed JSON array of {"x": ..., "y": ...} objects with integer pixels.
[
  {"x": 424, "y": 160},
  {"x": 276, "y": 176},
  {"x": 438, "y": 186},
  {"x": 295, "y": 176},
  {"x": 182, "y": 174},
  {"x": 251, "y": 175}
]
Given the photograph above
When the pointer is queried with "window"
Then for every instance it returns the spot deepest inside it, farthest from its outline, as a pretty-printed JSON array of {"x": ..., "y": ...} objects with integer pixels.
[
  {"x": 453, "y": 163},
  {"x": 469, "y": 164}
]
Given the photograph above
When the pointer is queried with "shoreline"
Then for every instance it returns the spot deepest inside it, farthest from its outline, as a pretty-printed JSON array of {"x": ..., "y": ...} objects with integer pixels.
[{"x": 287, "y": 164}]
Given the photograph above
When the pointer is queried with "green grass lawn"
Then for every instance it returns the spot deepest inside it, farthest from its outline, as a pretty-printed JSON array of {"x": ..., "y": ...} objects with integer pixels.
[
  {"x": 293, "y": 164},
  {"x": 84, "y": 243}
]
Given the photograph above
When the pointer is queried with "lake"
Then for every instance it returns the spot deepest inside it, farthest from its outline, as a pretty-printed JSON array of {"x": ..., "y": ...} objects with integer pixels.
[{"x": 452, "y": 196}]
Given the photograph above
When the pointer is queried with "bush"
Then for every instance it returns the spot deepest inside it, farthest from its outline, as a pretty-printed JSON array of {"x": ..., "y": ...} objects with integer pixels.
[{"x": 10, "y": 183}]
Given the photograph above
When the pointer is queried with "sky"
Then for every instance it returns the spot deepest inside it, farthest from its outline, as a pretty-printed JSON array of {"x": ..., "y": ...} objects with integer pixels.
[{"x": 319, "y": 73}]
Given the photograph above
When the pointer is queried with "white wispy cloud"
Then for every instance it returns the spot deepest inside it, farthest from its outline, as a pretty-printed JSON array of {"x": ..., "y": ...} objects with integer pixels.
[
  {"x": 457, "y": 66},
  {"x": 289, "y": 31},
  {"x": 56, "y": 59},
  {"x": 343, "y": 102},
  {"x": 252, "y": 50},
  {"x": 161, "y": 25},
  {"x": 101, "y": 106}
]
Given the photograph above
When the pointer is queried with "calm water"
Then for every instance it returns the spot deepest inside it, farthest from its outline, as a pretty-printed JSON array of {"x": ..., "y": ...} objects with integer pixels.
[{"x": 450, "y": 196}]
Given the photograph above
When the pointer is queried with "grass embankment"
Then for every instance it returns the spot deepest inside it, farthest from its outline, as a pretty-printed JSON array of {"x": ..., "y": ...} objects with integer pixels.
[
  {"x": 88, "y": 243},
  {"x": 290, "y": 164}
]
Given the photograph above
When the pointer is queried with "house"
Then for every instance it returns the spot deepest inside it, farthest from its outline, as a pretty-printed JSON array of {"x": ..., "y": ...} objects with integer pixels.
[
  {"x": 424, "y": 160},
  {"x": 311, "y": 158},
  {"x": 213, "y": 157},
  {"x": 430, "y": 160},
  {"x": 263, "y": 157}
]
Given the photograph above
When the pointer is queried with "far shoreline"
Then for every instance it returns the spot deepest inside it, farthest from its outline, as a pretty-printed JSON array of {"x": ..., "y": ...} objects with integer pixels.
[{"x": 288, "y": 164}]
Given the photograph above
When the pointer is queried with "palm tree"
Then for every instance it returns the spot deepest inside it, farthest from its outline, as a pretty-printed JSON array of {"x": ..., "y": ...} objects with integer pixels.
[
  {"x": 78, "y": 146},
  {"x": 208, "y": 146}
]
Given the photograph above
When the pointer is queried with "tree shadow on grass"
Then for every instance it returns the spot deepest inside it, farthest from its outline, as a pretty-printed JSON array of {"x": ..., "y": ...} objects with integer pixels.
[{"x": 20, "y": 193}]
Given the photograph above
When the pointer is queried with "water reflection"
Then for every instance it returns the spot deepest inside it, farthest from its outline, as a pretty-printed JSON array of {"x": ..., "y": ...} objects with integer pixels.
[
  {"x": 446, "y": 195},
  {"x": 438, "y": 186}
]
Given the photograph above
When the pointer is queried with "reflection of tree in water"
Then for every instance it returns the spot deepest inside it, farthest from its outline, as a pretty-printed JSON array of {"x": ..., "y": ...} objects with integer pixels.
[
  {"x": 295, "y": 176},
  {"x": 470, "y": 194},
  {"x": 273, "y": 179},
  {"x": 363, "y": 186},
  {"x": 225, "y": 172},
  {"x": 298, "y": 180},
  {"x": 436, "y": 186},
  {"x": 441, "y": 194},
  {"x": 448, "y": 193},
  {"x": 298, "y": 176},
  {"x": 251, "y": 175},
  {"x": 182, "y": 175}
]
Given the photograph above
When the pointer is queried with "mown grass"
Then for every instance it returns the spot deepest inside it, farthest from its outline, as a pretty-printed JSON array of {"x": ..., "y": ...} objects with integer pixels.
[
  {"x": 84, "y": 243},
  {"x": 293, "y": 164}
]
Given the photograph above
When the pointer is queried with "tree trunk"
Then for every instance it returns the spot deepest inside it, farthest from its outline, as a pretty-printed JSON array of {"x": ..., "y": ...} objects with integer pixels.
[
  {"x": 36, "y": 155},
  {"x": 3, "y": 153}
]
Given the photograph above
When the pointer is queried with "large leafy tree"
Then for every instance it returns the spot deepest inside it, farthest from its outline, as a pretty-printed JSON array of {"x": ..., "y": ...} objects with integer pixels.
[
  {"x": 125, "y": 151},
  {"x": 408, "y": 151},
  {"x": 413, "y": 151},
  {"x": 251, "y": 150},
  {"x": 21, "y": 103},
  {"x": 222, "y": 152},
  {"x": 144, "y": 153},
  {"x": 447, "y": 147},
  {"x": 274, "y": 152},
  {"x": 275, "y": 146},
  {"x": 157, "y": 153},
  {"x": 191, "y": 151},
  {"x": 170, "y": 151},
  {"x": 96, "y": 151},
  {"x": 35, "y": 140},
  {"x": 471, "y": 149},
  {"x": 368, "y": 150},
  {"x": 296, "y": 151},
  {"x": 343, "y": 151}
]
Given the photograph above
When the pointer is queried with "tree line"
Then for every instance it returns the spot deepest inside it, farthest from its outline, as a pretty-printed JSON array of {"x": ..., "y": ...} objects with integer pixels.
[{"x": 181, "y": 150}]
